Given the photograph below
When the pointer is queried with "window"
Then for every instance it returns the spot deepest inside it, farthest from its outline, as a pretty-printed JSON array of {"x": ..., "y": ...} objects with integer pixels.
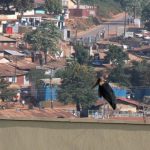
[{"x": 14, "y": 79}]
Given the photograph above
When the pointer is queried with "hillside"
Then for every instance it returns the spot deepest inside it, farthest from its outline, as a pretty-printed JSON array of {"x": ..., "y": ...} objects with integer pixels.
[{"x": 105, "y": 8}]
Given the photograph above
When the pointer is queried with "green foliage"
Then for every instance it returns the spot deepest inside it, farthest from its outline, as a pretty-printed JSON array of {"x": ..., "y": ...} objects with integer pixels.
[
  {"x": 134, "y": 7},
  {"x": 5, "y": 92},
  {"x": 118, "y": 75},
  {"x": 147, "y": 25},
  {"x": 146, "y": 13},
  {"x": 23, "y": 5},
  {"x": 81, "y": 54},
  {"x": 116, "y": 55},
  {"x": 35, "y": 75},
  {"x": 76, "y": 85},
  {"x": 5, "y": 5},
  {"x": 20, "y": 5},
  {"x": 54, "y": 6},
  {"x": 140, "y": 74},
  {"x": 45, "y": 38},
  {"x": 146, "y": 16}
]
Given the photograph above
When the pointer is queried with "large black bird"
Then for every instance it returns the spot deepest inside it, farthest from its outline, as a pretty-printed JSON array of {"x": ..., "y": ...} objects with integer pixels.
[{"x": 105, "y": 90}]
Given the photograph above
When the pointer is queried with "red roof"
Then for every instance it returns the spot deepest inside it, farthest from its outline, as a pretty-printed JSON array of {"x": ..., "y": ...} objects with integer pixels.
[
  {"x": 121, "y": 99},
  {"x": 39, "y": 1},
  {"x": 130, "y": 101},
  {"x": 35, "y": 113}
]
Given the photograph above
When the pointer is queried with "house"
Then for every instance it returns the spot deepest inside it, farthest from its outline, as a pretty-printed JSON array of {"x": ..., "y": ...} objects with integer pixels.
[
  {"x": 4, "y": 19},
  {"x": 143, "y": 52},
  {"x": 7, "y": 43},
  {"x": 69, "y": 4},
  {"x": 82, "y": 11},
  {"x": 50, "y": 69},
  {"x": 123, "y": 105},
  {"x": 14, "y": 67},
  {"x": 11, "y": 74},
  {"x": 14, "y": 75},
  {"x": 77, "y": 12},
  {"x": 127, "y": 105},
  {"x": 134, "y": 57},
  {"x": 32, "y": 20}
]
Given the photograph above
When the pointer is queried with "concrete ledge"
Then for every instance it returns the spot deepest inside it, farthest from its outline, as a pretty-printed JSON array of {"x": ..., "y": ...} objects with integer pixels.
[
  {"x": 72, "y": 134},
  {"x": 78, "y": 120}
]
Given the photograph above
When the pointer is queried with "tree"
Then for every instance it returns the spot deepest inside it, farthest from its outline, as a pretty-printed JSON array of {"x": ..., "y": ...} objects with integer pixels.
[
  {"x": 23, "y": 5},
  {"x": 118, "y": 75},
  {"x": 140, "y": 74},
  {"x": 118, "y": 57},
  {"x": 35, "y": 75},
  {"x": 6, "y": 5},
  {"x": 134, "y": 7},
  {"x": 54, "y": 6},
  {"x": 146, "y": 16},
  {"x": 81, "y": 54},
  {"x": 45, "y": 38},
  {"x": 146, "y": 13},
  {"x": 77, "y": 81},
  {"x": 5, "y": 92}
]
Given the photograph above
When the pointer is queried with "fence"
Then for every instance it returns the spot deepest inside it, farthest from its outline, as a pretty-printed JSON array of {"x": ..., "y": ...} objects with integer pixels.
[{"x": 106, "y": 114}]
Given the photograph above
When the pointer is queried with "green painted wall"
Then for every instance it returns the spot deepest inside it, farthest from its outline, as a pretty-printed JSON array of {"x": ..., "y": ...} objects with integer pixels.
[{"x": 66, "y": 135}]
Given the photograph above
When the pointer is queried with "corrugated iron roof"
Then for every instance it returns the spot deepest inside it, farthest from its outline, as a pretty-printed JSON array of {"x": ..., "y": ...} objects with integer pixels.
[
  {"x": 14, "y": 53},
  {"x": 6, "y": 39},
  {"x": 24, "y": 112},
  {"x": 24, "y": 64},
  {"x": 7, "y": 70},
  {"x": 130, "y": 101},
  {"x": 121, "y": 99},
  {"x": 58, "y": 63}
]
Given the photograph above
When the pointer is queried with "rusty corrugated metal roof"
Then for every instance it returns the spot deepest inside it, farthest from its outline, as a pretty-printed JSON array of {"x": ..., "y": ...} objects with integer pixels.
[
  {"x": 6, "y": 70},
  {"x": 24, "y": 112},
  {"x": 6, "y": 39}
]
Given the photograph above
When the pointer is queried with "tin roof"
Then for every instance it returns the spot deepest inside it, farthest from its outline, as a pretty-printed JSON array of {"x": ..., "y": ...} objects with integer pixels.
[
  {"x": 129, "y": 101},
  {"x": 6, "y": 39},
  {"x": 24, "y": 64},
  {"x": 24, "y": 112},
  {"x": 8, "y": 71},
  {"x": 14, "y": 53}
]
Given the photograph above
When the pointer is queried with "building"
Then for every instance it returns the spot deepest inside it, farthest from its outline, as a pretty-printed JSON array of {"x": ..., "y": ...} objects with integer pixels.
[
  {"x": 7, "y": 43},
  {"x": 4, "y": 19},
  {"x": 127, "y": 105},
  {"x": 124, "y": 105},
  {"x": 69, "y": 4},
  {"x": 47, "y": 89},
  {"x": 14, "y": 67}
]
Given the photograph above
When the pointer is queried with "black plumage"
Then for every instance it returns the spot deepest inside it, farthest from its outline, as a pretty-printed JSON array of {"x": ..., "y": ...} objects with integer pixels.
[{"x": 105, "y": 90}]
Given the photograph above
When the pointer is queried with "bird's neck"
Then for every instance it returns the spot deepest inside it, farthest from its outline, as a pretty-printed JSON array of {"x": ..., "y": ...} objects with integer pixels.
[{"x": 101, "y": 83}]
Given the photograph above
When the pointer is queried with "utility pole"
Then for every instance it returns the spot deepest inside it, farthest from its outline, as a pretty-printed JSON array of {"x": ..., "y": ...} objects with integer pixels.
[
  {"x": 125, "y": 21},
  {"x": 15, "y": 75},
  {"x": 134, "y": 11},
  {"x": 108, "y": 32},
  {"x": 51, "y": 93}
]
